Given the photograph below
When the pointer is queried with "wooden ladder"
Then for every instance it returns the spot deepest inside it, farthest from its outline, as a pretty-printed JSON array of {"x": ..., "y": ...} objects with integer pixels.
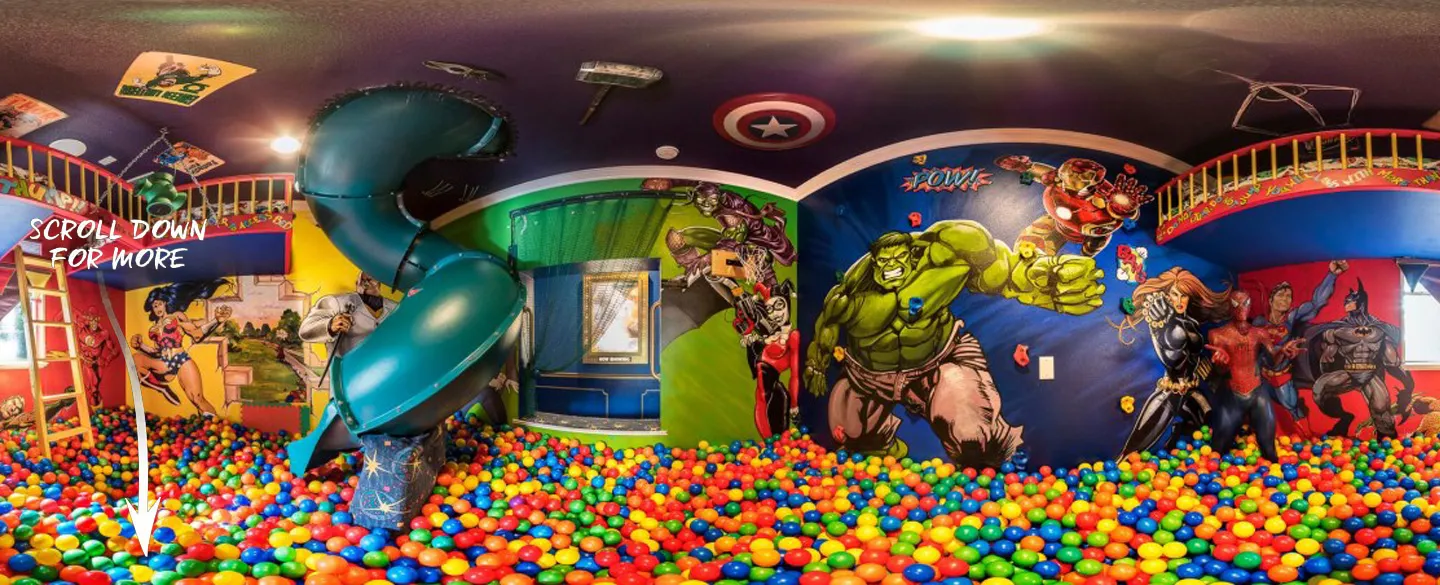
[{"x": 25, "y": 263}]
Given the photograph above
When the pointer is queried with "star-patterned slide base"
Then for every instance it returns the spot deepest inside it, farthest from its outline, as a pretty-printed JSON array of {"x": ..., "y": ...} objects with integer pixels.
[{"x": 396, "y": 478}]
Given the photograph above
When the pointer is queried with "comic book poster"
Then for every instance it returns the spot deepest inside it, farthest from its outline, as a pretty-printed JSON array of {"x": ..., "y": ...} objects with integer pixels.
[
  {"x": 177, "y": 79},
  {"x": 189, "y": 159},
  {"x": 21, "y": 114}
]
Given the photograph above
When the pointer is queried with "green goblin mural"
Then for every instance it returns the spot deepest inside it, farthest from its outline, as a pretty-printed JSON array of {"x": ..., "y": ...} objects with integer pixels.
[
  {"x": 905, "y": 347},
  {"x": 756, "y": 234}
]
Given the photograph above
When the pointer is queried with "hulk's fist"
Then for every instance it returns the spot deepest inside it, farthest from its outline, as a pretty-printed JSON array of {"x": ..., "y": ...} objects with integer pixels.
[
  {"x": 1067, "y": 283},
  {"x": 815, "y": 380}
]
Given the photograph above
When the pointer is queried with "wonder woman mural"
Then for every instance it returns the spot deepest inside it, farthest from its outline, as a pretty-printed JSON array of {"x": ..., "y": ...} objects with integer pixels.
[
  {"x": 162, "y": 359},
  {"x": 1174, "y": 305}
]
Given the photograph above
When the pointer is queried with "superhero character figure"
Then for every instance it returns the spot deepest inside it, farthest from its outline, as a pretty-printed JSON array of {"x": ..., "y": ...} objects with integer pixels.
[
  {"x": 1290, "y": 322},
  {"x": 904, "y": 346},
  {"x": 755, "y": 234},
  {"x": 1081, "y": 207},
  {"x": 97, "y": 349},
  {"x": 1354, "y": 354},
  {"x": 1174, "y": 305},
  {"x": 774, "y": 348},
  {"x": 172, "y": 73},
  {"x": 164, "y": 358},
  {"x": 1235, "y": 351}
]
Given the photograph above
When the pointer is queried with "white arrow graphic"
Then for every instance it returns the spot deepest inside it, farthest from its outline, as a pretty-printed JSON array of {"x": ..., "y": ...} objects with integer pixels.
[{"x": 143, "y": 516}]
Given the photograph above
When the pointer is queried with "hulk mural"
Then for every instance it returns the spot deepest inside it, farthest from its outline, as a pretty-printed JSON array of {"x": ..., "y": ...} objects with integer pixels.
[
  {"x": 905, "y": 347},
  {"x": 921, "y": 296}
]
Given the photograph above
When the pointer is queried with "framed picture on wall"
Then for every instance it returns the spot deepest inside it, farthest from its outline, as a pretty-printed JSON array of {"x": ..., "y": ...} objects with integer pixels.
[{"x": 616, "y": 318}]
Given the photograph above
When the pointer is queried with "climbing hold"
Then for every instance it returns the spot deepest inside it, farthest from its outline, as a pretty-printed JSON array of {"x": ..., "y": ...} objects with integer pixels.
[
  {"x": 1022, "y": 355},
  {"x": 1127, "y": 306},
  {"x": 839, "y": 354},
  {"x": 1127, "y": 404},
  {"x": 916, "y": 305},
  {"x": 914, "y": 219}
]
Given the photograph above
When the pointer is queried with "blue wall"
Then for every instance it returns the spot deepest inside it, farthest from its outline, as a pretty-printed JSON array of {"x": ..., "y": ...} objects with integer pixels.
[
  {"x": 582, "y": 389},
  {"x": 1076, "y": 416}
]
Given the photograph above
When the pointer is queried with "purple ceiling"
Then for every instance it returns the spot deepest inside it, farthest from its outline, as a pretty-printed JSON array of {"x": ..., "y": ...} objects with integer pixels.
[{"x": 1138, "y": 70}]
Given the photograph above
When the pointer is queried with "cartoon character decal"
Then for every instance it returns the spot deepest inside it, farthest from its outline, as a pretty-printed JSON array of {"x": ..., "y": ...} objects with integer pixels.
[
  {"x": 773, "y": 346},
  {"x": 172, "y": 73},
  {"x": 1081, "y": 206},
  {"x": 754, "y": 234},
  {"x": 1289, "y": 322},
  {"x": 1236, "y": 350},
  {"x": 98, "y": 348},
  {"x": 1174, "y": 305},
  {"x": 162, "y": 358},
  {"x": 904, "y": 346},
  {"x": 1355, "y": 354}
]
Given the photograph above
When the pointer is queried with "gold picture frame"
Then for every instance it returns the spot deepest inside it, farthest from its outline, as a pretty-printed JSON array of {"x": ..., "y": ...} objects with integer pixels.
[{"x": 626, "y": 341}]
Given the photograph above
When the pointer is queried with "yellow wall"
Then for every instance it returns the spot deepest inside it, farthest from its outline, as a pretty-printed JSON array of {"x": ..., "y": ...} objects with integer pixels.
[{"x": 316, "y": 267}]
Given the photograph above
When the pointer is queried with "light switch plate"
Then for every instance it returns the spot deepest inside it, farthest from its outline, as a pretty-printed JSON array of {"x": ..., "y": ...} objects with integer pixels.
[{"x": 1047, "y": 367}]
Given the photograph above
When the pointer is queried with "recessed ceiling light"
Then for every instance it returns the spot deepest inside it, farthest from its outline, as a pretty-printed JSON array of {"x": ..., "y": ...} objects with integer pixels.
[
  {"x": 667, "y": 152},
  {"x": 69, "y": 146},
  {"x": 981, "y": 28},
  {"x": 107, "y": 160},
  {"x": 285, "y": 145}
]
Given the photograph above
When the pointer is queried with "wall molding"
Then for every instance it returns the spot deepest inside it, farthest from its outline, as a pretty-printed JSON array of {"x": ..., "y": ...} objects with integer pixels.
[
  {"x": 608, "y": 173},
  {"x": 1044, "y": 136}
]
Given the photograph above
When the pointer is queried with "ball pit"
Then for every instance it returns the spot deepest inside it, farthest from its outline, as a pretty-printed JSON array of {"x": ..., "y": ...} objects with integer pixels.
[{"x": 518, "y": 508}]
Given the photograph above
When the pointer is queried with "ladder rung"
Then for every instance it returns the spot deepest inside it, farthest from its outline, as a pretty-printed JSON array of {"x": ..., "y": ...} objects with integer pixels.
[
  {"x": 49, "y": 360},
  {"x": 47, "y": 292},
  {"x": 67, "y": 433},
  {"x": 38, "y": 262},
  {"x": 60, "y": 396},
  {"x": 51, "y": 323}
]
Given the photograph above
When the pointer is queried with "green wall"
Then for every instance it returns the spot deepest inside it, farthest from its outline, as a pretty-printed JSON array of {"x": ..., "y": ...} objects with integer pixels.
[{"x": 706, "y": 392}]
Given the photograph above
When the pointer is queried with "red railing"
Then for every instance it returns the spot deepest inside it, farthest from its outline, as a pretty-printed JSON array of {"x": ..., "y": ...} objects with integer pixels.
[
  {"x": 1296, "y": 165},
  {"x": 74, "y": 184}
]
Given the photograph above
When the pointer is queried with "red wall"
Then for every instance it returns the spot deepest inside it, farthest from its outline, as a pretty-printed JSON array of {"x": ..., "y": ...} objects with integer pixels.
[
  {"x": 84, "y": 297},
  {"x": 1382, "y": 283}
]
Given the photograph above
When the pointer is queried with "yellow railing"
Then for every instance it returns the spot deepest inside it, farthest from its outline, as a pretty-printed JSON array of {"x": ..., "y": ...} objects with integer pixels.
[
  {"x": 215, "y": 199},
  {"x": 1234, "y": 177},
  {"x": 208, "y": 201},
  {"x": 35, "y": 164}
]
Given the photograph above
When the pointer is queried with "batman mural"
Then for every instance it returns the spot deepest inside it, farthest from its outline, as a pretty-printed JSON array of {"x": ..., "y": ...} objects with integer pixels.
[{"x": 1354, "y": 354}]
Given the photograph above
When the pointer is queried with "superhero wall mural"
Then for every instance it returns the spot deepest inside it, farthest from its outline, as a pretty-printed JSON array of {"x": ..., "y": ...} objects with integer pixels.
[
  {"x": 1347, "y": 374},
  {"x": 733, "y": 260},
  {"x": 979, "y": 308}
]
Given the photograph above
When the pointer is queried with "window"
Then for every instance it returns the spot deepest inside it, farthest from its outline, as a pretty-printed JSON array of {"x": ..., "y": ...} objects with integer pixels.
[
  {"x": 1420, "y": 324},
  {"x": 12, "y": 339}
]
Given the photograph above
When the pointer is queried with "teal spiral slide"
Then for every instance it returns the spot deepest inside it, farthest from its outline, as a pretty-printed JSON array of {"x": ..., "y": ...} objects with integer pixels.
[{"x": 458, "y": 321}]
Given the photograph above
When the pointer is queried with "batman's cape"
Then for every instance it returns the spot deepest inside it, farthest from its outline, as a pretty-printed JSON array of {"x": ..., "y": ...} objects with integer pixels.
[
  {"x": 682, "y": 311},
  {"x": 1308, "y": 366}
]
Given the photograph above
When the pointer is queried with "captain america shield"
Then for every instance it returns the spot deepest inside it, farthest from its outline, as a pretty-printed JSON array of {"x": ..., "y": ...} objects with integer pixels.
[{"x": 774, "y": 121}]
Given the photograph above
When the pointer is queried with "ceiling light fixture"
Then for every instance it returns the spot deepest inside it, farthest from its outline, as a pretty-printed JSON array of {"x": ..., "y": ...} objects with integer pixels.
[
  {"x": 981, "y": 28},
  {"x": 667, "y": 152},
  {"x": 69, "y": 146},
  {"x": 285, "y": 145}
]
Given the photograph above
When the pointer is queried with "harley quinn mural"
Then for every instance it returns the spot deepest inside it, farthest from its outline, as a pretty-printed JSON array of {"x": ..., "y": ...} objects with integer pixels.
[{"x": 773, "y": 348}]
